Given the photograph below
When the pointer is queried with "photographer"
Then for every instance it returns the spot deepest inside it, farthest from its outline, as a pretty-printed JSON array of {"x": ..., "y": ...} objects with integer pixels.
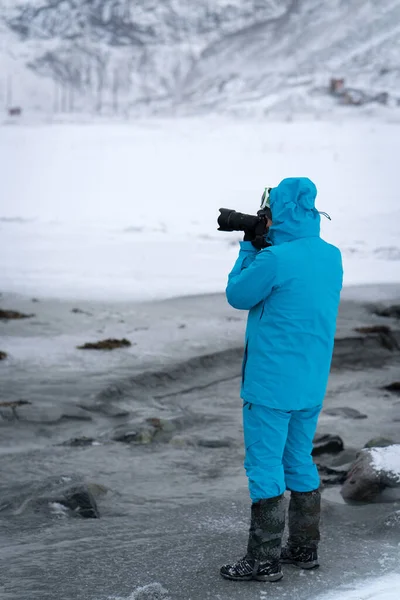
[{"x": 291, "y": 288}]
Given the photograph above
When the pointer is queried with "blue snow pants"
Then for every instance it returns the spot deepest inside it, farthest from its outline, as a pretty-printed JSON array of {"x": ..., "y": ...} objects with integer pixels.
[{"x": 278, "y": 450}]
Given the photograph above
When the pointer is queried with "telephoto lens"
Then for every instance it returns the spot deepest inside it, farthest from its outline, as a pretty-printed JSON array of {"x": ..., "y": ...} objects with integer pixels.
[{"x": 230, "y": 220}]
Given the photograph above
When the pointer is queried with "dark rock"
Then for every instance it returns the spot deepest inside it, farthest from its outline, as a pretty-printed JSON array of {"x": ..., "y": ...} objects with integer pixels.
[
  {"x": 344, "y": 411},
  {"x": 7, "y": 315},
  {"x": 374, "y": 329},
  {"x": 388, "y": 311},
  {"x": 3, "y": 355},
  {"x": 379, "y": 442},
  {"x": 81, "y": 501},
  {"x": 331, "y": 476},
  {"x": 108, "y": 344},
  {"x": 141, "y": 329},
  {"x": 182, "y": 326},
  {"x": 79, "y": 442},
  {"x": 35, "y": 300},
  {"x": 327, "y": 444},
  {"x": 383, "y": 333},
  {"x": 393, "y": 387},
  {"x": 78, "y": 311},
  {"x": 215, "y": 443}
]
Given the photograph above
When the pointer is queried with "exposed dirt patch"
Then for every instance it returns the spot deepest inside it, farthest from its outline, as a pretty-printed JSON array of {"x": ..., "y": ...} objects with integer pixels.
[{"x": 7, "y": 315}]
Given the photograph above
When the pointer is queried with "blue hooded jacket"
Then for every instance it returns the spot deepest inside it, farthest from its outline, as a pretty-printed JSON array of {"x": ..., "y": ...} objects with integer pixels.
[{"x": 292, "y": 290}]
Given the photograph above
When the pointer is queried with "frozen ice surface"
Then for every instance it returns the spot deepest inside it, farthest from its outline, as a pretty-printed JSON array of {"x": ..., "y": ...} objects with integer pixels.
[{"x": 128, "y": 211}]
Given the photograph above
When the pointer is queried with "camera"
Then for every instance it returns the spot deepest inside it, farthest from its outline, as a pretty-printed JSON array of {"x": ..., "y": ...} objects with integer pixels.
[{"x": 254, "y": 226}]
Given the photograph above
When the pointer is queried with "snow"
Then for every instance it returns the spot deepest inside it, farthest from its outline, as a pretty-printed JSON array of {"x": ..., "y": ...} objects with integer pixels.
[
  {"x": 128, "y": 210},
  {"x": 387, "y": 460},
  {"x": 383, "y": 588}
]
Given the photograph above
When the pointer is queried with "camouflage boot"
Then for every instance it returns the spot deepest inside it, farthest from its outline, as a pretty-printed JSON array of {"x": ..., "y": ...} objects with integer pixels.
[
  {"x": 262, "y": 561},
  {"x": 304, "y": 516}
]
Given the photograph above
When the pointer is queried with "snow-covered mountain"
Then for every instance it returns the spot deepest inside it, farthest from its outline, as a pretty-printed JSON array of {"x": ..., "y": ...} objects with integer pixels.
[{"x": 182, "y": 56}]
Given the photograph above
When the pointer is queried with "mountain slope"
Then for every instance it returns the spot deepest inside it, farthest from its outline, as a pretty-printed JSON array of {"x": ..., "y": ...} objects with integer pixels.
[{"x": 194, "y": 55}]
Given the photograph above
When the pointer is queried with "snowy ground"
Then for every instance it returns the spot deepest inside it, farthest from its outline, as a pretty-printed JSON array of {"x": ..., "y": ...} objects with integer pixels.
[
  {"x": 128, "y": 211},
  {"x": 384, "y": 588}
]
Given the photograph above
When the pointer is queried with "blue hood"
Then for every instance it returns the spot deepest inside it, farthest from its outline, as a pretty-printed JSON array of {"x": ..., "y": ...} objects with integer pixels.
[{"x": 293, "y": 210}]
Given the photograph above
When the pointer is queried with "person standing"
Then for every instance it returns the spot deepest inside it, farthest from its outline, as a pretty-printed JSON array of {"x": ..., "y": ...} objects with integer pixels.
[{"x": 291, "y": 289}]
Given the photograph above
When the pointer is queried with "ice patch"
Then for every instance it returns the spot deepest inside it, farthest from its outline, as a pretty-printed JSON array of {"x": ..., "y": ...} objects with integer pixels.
[
  {"x": 387, "y": 459},
  {"x": 152, "y": 591},
  {"x": 222, "y": 524},
  {"x": 384, "y": 588}
]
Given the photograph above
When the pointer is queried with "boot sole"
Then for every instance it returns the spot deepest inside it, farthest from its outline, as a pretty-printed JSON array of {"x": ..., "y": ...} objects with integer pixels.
[{"x": 307, "y": 566}]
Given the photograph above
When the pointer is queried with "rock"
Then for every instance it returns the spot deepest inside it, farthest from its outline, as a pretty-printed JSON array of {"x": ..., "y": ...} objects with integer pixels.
[
  {"x": 344, "y": 459},
  {"x": 79, "y": 442},
  {"x": 393, "y": 387},
  {"x": 78, "y": 311},
  {"x": 389, "y": 311},
  {"x": 7, "y": 315},
  {"x": 49, "y": 414},
  {"x": 35, "y": 300},
  {"x": 373, "y": 470},
  {"x": 81, "y": 501},
  {"x": 77, "y": 496},
  {"x": 152, "y": 430},
  {"x": 215, "y": 443},
  {"x": 126, "y": 435},
  {"x": 384, "y": 334},
  {"x": 108, "y": 344},
  {"x": 327, "y": 444},
  {"x": 374, "y": 329},
  {"x": 3, "y": 355},
  {"x": 379, "y": 442},
  {"x": 344, "y": 411},
  {"x": 12, "y": 406},
  {"x": 331, "y": 475}
]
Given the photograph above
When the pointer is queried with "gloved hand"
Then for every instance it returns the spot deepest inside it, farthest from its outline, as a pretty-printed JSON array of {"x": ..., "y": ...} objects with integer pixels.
[
  {"x": 257, "y": 235},
  {"x": 249, "y": 235}
]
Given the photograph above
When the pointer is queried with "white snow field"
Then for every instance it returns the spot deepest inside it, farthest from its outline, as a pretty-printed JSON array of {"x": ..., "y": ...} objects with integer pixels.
[{"x": 128, "y": 210}]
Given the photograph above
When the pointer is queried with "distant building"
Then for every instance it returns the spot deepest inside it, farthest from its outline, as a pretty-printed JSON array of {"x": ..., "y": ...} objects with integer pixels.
[{"x": 336, "y": 86}]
